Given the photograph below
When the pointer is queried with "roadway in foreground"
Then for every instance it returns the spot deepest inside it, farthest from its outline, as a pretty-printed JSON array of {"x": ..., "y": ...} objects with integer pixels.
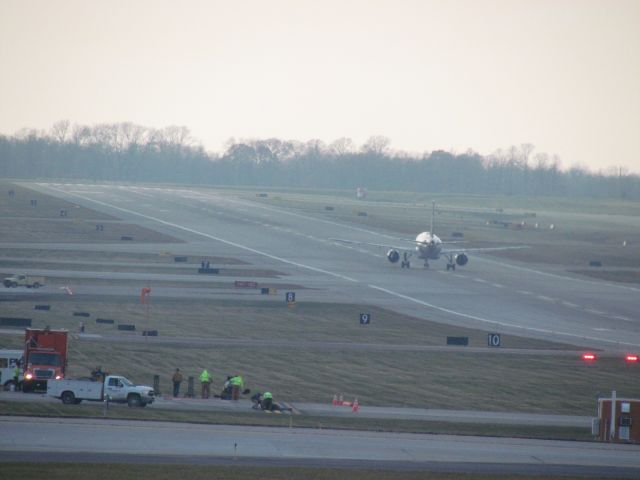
[
  {"x": 329, "y": 410},
  {"x": 116, "y": 441}
]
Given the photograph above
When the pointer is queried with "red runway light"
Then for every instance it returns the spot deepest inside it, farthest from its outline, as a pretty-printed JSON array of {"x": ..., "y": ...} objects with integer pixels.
[
  {"x": 631, "y": 358},
  {"x": 589, "y": 357}
]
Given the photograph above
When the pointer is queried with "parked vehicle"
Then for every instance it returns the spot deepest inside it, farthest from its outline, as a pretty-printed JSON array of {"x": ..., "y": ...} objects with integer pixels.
[
  {"x": 45, "y": 357},
  {"x": 9, "y": 359},
  {"x": 28, "y": 281},
  {"x": 115, "y": 388}
]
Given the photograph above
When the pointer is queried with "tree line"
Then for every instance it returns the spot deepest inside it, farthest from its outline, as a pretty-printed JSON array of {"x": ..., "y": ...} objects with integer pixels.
[{"x": 129, "y": 152}]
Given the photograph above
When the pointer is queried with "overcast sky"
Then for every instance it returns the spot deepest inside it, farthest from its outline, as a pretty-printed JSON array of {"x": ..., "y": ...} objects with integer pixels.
[{"x": 563, "y": 75}]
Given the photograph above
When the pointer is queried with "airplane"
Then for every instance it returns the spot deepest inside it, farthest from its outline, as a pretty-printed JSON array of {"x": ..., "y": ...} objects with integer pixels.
[{"x": 428, "y": 246}]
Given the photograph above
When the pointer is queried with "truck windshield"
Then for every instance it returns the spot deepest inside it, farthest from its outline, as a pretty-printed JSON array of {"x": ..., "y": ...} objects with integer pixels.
[
  {"x": 50, "y": 359},
  {"x": 126, "y": 382}
]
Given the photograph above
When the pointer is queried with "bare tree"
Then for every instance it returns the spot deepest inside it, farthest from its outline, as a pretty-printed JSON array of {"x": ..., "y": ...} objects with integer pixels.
[
  {"x": 60, "y": 130},
  {"x": 376, "y": 144},
  {"x": 526, "y": 149},
  {"x": 80, "y": 135},
  {"x": 342, "y": 146},
  {"x": 132, "y": 134}
]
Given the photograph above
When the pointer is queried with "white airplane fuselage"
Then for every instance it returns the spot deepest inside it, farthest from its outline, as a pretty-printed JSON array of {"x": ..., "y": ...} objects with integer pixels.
[{"x": 428, "y": 246}]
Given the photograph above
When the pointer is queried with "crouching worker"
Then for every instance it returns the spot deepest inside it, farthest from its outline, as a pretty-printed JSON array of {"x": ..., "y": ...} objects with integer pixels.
[
  {"x": 267, "y": 402},
  {"x": 257, "y": 401},
  {"x": 264, "y": 401},
  {"x": 226, "y": 389}
]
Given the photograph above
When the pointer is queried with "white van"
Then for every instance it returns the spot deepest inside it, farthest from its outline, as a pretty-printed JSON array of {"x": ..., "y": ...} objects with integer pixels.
[{"x": 8, "y": 361}]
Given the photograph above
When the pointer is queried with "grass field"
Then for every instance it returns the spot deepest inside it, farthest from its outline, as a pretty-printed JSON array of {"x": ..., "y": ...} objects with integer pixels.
[
  {"x": 53, "y": 220},
  {"x": 454, "y": 380},
  {"x": 78, "y": 471},
  {"x": 457, "y": 380}
]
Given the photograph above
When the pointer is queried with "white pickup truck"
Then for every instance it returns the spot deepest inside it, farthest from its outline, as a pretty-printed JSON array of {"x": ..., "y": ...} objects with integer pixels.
[
  {"x": 28, "y": 281},
  {"x": 114, "y": 389}
]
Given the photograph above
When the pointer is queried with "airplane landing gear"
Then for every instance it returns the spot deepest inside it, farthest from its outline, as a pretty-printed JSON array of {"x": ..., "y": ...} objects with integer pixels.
[
  {"x": 405, "y": 260},
  {"x": 451, "y": 266},
  {"x": 426, "y": 264}
]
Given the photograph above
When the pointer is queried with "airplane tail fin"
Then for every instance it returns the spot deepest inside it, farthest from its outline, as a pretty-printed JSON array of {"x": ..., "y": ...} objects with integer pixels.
[{"x": 433, "y": 214}]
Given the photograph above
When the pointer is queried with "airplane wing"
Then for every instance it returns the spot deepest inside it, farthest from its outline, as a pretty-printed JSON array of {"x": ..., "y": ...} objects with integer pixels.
[
  {"x": 411, "y": 244},
  {"x": 408, "y": 246},
  {"x": 446, "y": 251}
]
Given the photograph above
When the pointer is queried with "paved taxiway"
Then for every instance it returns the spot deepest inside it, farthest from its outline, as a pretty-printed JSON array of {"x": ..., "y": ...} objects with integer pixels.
[
  {"x": 488, "y": 293},
  {"x": 328, "y": 410},
  {"x": 77, "y": 437}
]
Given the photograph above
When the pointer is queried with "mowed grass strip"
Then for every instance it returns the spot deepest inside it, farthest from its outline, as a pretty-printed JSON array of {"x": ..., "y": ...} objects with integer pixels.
[
  {"x": 159, "y": 258},
  {"x": 453, "y": 380},
  {"x": 53, "y": 220},
  {"x": 160, "y": 471},
  {"x": 466, "y": 381},
  {"x": 66, "y": 230},
  {"x": 19, "y": 204},
  {"x": 267, "y": 318}
]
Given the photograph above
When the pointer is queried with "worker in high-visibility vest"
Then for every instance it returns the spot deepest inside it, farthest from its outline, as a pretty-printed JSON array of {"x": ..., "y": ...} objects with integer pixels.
[
  {"x": 16, "y": 377},
  {"x": 205, "y": 382},
  {"x": 237, "y": 384},
  {"x": 267, "y": 401}
]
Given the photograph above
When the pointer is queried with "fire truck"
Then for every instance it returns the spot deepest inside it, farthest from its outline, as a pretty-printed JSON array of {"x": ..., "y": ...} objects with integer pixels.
[{"x": 45, "y": 357}]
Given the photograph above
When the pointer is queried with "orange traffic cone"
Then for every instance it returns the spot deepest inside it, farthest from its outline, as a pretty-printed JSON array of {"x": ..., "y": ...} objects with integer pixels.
[
  {"x": 335, "y": 399},
  {"x": 356, "y": 405}
]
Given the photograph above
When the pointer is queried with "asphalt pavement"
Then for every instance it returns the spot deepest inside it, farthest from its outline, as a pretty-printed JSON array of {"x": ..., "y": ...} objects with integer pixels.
[{"x": 38, "y": 439}]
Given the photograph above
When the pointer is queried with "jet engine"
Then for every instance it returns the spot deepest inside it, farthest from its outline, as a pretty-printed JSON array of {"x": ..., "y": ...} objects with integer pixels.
[
  {"x": 461, "y": 259},
  {"x": 393, "y": 256}
]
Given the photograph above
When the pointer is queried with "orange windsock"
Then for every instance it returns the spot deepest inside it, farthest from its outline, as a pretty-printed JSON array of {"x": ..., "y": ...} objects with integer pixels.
[{"x": 144, "y": 293}]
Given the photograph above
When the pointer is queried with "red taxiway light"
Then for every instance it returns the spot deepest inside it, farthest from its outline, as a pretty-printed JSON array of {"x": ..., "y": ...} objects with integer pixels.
[
  {"x": 589, "y": 357},
  {"x": 632, "y": 358}
]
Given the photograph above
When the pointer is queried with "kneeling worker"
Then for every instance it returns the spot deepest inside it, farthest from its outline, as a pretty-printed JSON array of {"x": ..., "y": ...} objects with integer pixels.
[{"x": 267, "y": 402}]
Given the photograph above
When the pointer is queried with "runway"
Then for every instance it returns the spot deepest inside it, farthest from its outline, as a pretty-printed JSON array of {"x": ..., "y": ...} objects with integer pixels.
[
  {"x": 42, "y": 439},
  {"x": 489, "y": 293}
]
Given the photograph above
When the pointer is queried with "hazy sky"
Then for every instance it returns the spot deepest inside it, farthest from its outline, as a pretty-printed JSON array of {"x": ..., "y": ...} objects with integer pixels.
[{"x": 563, "y": 75}]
